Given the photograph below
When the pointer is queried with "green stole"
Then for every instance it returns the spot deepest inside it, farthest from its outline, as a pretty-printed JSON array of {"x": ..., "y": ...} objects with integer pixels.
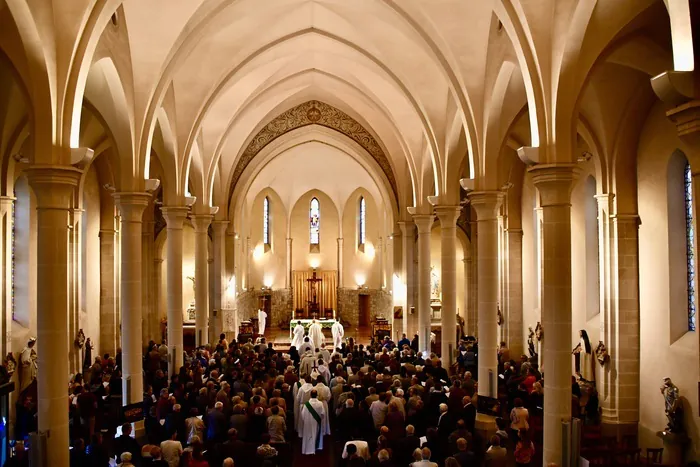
[{"x": 317, "y": 417}]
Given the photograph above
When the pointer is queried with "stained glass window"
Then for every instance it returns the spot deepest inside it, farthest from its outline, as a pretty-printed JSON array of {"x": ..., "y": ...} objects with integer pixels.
[
  {"x": 690, "y": 246},
  {"x": 314, "y": 222},
  {"x": 266, "y": 221},
  {"x": 361, "y": 228}
]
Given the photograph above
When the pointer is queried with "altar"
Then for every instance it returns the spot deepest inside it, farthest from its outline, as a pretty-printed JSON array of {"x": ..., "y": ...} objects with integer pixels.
[{"x": 326, "y": 324}]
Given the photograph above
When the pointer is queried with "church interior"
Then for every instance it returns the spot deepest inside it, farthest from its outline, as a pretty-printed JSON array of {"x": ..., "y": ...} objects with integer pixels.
[{"x": 517, "y": 171}]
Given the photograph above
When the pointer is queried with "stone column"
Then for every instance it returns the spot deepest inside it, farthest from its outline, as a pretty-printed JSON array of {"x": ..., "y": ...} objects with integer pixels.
[
  {"x": 472, "y": 310},
  {"x": 148, "y": 331},
  {"x": 175, "y": 218},
  {"x": 341, "y": 276},
  {"x": 54, "y": 187},
  {"x": 486, "y": 205},
  {"x": 514, "y": 284},
  {"x": 156, "y": 297},
  {"x": 554, "y": 183},
  {"x": 410, "y": 326},
  {"x": 467, "y": 264},
  {"x": 379, "y": 252},
  {"x": 131, "y": 207},
  {"x": 623, "y": 367},
  {"x": 109, "y": 313},
  {"x": 75, "y": 274},
  {"x": 201, "y": 276},
  {"x": 219, "y": 275},
  {"x": 423, "y": 222},
  {"x": 6, "y": 203},
  {"x": 448, "y": 216},
  {"x": 288, "y": 279}
]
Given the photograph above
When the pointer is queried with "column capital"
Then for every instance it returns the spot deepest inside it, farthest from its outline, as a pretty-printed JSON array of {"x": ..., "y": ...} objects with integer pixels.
[
  {"x": 201, "y": 222},
  {"x": 158, "y": 260},
  {"x": 626, "y": 218},
  {"x": 174, "y": 216},
  {"x": 220, "y": 226},
  {"x": 605, "y": 200},
  {"x": 107, "y": 233},
  {"x": 406, "y": 228},
  {"x": 131, "y": 205},
  {"x": 554, "y": 182},
  {"x": 424, "y": 222},
  {"x": 53, "y": 185},
  {"x": 448, "y": 215},
  {"x": 486, "y": 204}
]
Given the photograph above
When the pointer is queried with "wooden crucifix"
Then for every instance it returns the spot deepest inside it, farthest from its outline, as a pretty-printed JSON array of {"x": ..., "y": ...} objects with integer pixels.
[{"x": 313, "y": 293}]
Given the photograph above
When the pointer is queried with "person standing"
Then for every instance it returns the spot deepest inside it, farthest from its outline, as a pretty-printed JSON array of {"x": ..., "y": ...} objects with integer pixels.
[
  {"x": 316, "y": 335},
  {"x": 338, "y": 332},
  {"x": 298, "y": 336},
  {"x": 312, "y": 415},
  {"x": 262, "y": 321}
]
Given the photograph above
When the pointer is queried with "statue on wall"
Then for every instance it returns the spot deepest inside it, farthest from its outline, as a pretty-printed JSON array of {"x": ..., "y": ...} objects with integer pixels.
[
  {"x": 539, "y": 332},
  {"x": 460, "y": 327},
  {"x": 28, "y": 363},
  {"x": 673, "y": 406},
  {"x": 434, "y": 284},
  {"x": 191, "y": 310},
  {"x": 601, "y": 353},
  {"x": 531, "y": 342},
  {"x": 500, "y": 315}
]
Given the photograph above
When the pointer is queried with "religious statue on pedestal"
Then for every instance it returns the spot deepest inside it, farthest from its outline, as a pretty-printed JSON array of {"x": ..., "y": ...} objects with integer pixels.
[
  {"x": 673, "y": 406},
  {"x": 28, "y": 363}
]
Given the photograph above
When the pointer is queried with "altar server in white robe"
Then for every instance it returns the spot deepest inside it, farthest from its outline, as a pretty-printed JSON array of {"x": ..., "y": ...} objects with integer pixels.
[
  {"x": 324, "y": 395},
  {"x": 307, "y": 345},
  {"x": 295, "y": 391},
  {"x": 324, "y": 353},
  {"x": 312, "y": 419},
  {"x": 316, "y": 334},
  {"x": 338, "y": 332},
  {"x": 303, "y": 395},
  {"x": 262, "y": 321},
  {"x": 298, "y": 336}
]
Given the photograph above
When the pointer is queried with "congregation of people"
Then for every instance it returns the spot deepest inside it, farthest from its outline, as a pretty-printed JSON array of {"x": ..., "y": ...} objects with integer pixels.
[{"x": 247, "y": 404}]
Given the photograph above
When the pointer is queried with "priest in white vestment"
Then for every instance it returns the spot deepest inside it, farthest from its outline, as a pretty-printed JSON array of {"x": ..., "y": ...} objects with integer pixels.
[
  {"x": 262, "y": 320},
  {"x": 324, "y": 395},
  {"x": 312, "y": 419},
  {"x": 303, "y": 395},
  {"x": 324, "y": 353},
  {"x": 306, "y": 364},
  {"x": 316, "y": 335},
  {"x": 338, "y": 332},
  {"x": 298, "y": 336}
]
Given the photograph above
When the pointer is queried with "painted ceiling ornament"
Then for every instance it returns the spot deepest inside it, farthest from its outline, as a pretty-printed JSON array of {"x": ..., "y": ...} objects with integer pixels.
[
  {"x": 500, "y": 315},
  {"x": 80, "y": 339},
  {"x": 539, "y": 332},
  {"x": 601, "y": 353}
]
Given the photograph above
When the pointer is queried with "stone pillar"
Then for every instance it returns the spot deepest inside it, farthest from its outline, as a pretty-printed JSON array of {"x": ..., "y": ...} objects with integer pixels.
[
  {"x": 514, "y": 284},
  {"x": 448, "y": 216},
  {"x": 288, "y": 279},
  {"x": 175, "y": 218},
  {"x": 219, "y": 276},
  {"x": 74, "y": 295},
  {"x": 149, "y": 330},
  {"x": 109, "y": 313},
  {"x": 467, "y": 264},
  {"x": 379, "y": 252},
  {"x": 341, "y": 276},
  {"x": 472, "y": 310},
  {"x": 486, "y": 205},
  {"x": 131, "y": 207},
  {"x": 423, "y": 222},
  {"x": 248, "y": 250},
  {"x": 156, "y": 297},
  {"x": 410, "y": 326},
  {"x": 201, "y": 276},
  {"x": 624, "y": 348},
  {"x": 6, "y": 210},
  {"x": 554, "y": 183},
  {"x": 54, "y": 187}
]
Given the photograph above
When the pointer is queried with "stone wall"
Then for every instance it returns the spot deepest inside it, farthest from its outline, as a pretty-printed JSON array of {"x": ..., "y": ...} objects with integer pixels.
[
  {"x": 348, "y": 304},
  {"x": 280, "y": 308}
]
